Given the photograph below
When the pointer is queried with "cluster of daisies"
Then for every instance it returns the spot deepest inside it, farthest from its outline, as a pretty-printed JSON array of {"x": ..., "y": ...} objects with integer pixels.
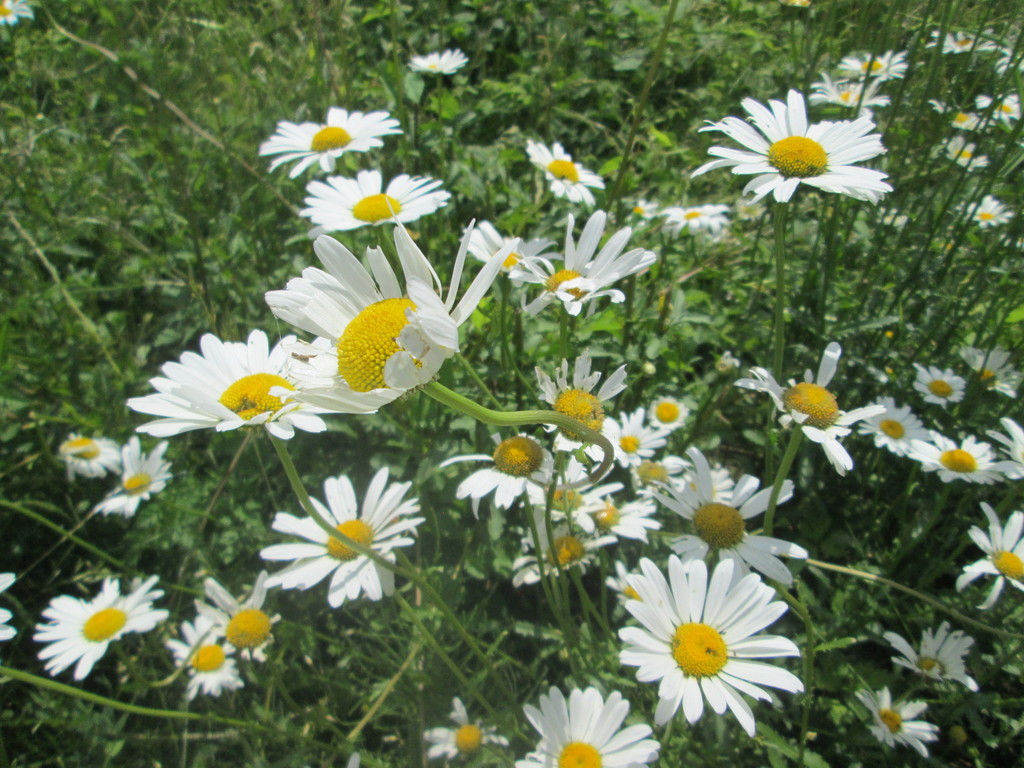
[
  {"x": 139, "y": 474},
  {"x": 860, "y": 79}
]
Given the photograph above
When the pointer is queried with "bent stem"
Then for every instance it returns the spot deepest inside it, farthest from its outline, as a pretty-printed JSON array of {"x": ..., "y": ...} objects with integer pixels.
[{"x": 780, "y": 478}]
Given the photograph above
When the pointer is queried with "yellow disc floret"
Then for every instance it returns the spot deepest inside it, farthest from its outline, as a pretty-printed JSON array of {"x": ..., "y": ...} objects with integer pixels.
[
  {"x": 209, "y": 658},
  {"x": 666, "y": 412},
  {"x": 1009, "y": 564},
  {"x": 82, "y": 447},
  {"x": 511, "y": 260},
  {"x": 958, "y": 460},
  {"x": 608, "y": 517},
  {"x": 583, "y": 407},
  {"x": 567, "y": 550},
  {"x": 892, "y": 428},
  {"x": 797, "y": 157},
  {"x": 927, "y": 664},
  {"x": 369, "y": 340},
  {"x": 562, "y": 276},
  {"x": 138, "y": 484},
  {"x": 698, "y": 649},
  {"x": 578, "y": 754},
  {"x": 374, "y": 208},
  {"x": 330, "y": 137},
  {"x": 891, "y": 720},
  {"x": 518, "y": 456},
  {"x": 358, "y": 531},
  {"x": 250, "y": 395},
  {"x": 629, "y": 443},
  {"x": 719, "y": 525},
  {"x": 940, "y": 388},
  {"x": 468, "y": 739},
  {"x": 651, "y": 472},
  {"x": 248, "y": 628},
  {"x": 564, "y": 169},
  {"x": 104, "y": 624},
  {"x": 815, "y": 401}
]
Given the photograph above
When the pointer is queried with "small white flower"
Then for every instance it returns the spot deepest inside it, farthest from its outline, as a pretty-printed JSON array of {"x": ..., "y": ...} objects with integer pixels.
[
  {"x": 6, "y": 630},
  {"x": 566, "y": 550},
  {"x": 244, "y": 624},
  {"x": 963, "y": 153},
  {"x": 941, "y": 657},
  {"x": 667, "y": 413},
  {"x": 518, "y": 463},
  {"x": 894, "y": 723},
  {"x": 711, "y": 219},
  {"x": 939, "y": 386},
  {"x": 463, "y": 741},
  {"x": 142, "y": 475},
  {"x": 89, "y": 456},
  {"x": 1013, "y": 445},
  {"x": 964, "y": 121},
  {"x": 645, "y": 209},
  {"x": 650, "y": 475},
  {"x": 210, "y": 666},
  {"x": 853, "y": 95},
  {"x": 960, "y": 42},
  {"x": 637, "y": 440},
  {"x": 446, "y": 62},
  {"x": 340, "y": 204},
  {"x": 485, "y": 241},
  {"x": 894, "y": 428},
  {"x": 13, "y": 11},
  {"x": 1004, "y": 555},
  {"x": 566, "y": 178},
  {"x": 1007, "y": 109},
  {"x": 993, "y": 369},
  {"x": 971, "y": 461},
  {"x": 891, "y": 65},
  {"x": 990, "y": 212}
]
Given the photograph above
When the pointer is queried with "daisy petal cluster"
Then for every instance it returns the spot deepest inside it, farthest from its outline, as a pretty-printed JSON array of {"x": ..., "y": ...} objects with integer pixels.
[
  {"x": 891, "y": 65},
  {"x": 939, "y": 386},
  {"x": 993, "y": 369},
  {"x": 463, "y": 741},
  {"x": 89, "y": 456},
  {"x": 970, "y": 460},
  {"x": 941, "y": 656},
  {"x": 244, "y": 624},
  {"x": 1004, "y": 555},
  {"x": 963, "y": 153},
  {"x": 446, "y": 62},
  {"x": 846, "y": 93},
  {"x": 637, "y": 440},
  {"x": 485, "y": 241},
  {"x": 894, "y": 723},
  {"x": 517, "y": 463},
  {"x": 667, "y": 413},
  {"x": 1006, "y": 109},
  {"x": 211, "y": 667},
  {"x": 566, "y": 178},
  {"x": 894, "y": 427},
  {"x": 142, "y": 475},
  {"x": 990, "y": 212},
  {"x": 711, "y": 219},
  {"x": 340, "y": 204}
]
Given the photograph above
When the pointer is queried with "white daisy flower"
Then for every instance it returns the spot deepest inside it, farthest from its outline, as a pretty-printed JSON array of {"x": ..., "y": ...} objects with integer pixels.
[
  {"x": 210, "y": 666},
  {"x": 80, "y": 631},
  {"x": 711, "y": 219},
  {"x": 894, "y": 428},
  {"x": 584, "y": 276},
  {"x": 566, "y": 550},
  {"x": 587, "y": 732},
  {"x": 813, "y": 408},
  {"x": 517, "y": 462},
  {"x": 786, "y": 150},
  {"x": 1008, "y": 57},
  {"x": 565, "y": 177},
  {"x": 649, "y": 475},
  {"x": 244, "y": 624},
  {"x": 1013, "y": 445},
  {"x": 726, "y": 362},
  {"x": 894, "y": 723},
  {"x": 446, "y": 62},
  {"x": 376, "y": 340},
  {"x": 960, "y": 42},
  {"x": 971, "y": 461},
  {"x": 698, "y": 639},
  {"x": 339, "y": 204},
  {"x": 667, "y": 413},
  {"x": 619, "y": 583},
  {"x": 993, "y": 369},
  {"x": 142, "y": 475},
  {"x": 963, "y": 153},
  {"x": 225, "y": 387},
  {"x": 990, "y": 212},
  {"x": 845, "y": 93},
  {"x": 323, "y": 144},
  {"x": 13, "y": 11},
  {"x": 721, "y": 527},
  {"x": 637, "y": 440},
  {"x": 941, "y": 657},
  {"x": 939, "y": 386},
  {"x": 485, "y": 241},
  {"x": 1004, "y": 555},
  {"x": 1007, "y": 109},
  {"x": 631, "y": 520},
  {"x": 645, "y": 209},
  {"x": 578, "y": 499},
  {"x": 6, "y": 630},
  {"x": 463, "y": 741},
  {"x": 380, "y": 526},
  {"x": 89, "y": 456},
  {"x": 891, "y": 65}
]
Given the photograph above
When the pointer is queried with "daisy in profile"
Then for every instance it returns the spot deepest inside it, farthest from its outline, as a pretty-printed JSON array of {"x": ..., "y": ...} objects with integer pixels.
[
  {"x": 226, "y": 387},
  {"x": 446, "y": 62},
  {"x": 1007, "y": 109},
  {"x": 990, "y": 212},
  {"x": 586, "y": 273},
  {"x": 563, "y": 551},
  {"x": 1004, "y": 555},
  {"x": 721, "y": 527},
  {"x": 891, "y": 65},
  {"x": 971, "y": 461},
  {"x": 993, "y": 369},
  {"x": 13, "y": 11},
  {"x": 960, "y": 42},
  {"x": 89, "y": 456},
  {"x": 698, "y": 639},
  {"x": 339, "y": 204},
  {"x": 464, "y": 740},
  {"x": 813, "y": 407},
  {"x": 894, "y": 723},
  {"x": 142, "y": 475},
  {"x": 631, "y": 520},
  {"x": 376, "y": 340},
  {"x": 637, "y": 440},
  {"x": 645, "y": 209},
  {"x": 6, "y": 630},
  {"x": 566, "y": 178},
  {"x": 586, "y": 732},
  {"x": 210, "y": 666},
  {"x": 485, "y": 241},
  {"x": 941, "y": 657},
  {"x": 667, "y": 413},
  {"x": 1013, "y": 446},
  {"x": 844, "y": 93},
  {"x": 963, "y": 153},
  {"x": 244, "y": 624},
  {"x": 894, "y": 428},
  {"x": 80, "y": 631},
  {"x": 382, "y": 526},
  {"x": 938, "y": 385},
  {"x": 711, "y": 219},
  {"x": 649, "y": 475},
  {"x": 785, "y": 151},
  {"x": 517, "y": 463},
  {"x": 323, "y": 143}
]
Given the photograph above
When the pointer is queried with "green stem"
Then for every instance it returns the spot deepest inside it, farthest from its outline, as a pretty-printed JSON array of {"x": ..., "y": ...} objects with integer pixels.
[
  {"x": 780, "y": 478},
  {"x": 779, "y": 216},
  {"x": 65, "y": 534}
]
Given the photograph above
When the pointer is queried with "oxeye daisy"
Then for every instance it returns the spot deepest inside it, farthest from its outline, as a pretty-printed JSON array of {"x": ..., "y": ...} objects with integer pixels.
[
  {"x": 340, "y": 204},
  {"x": 211, "y": 668},
  {"x": 1007, "y": 109},
  {"x": 446, "y": 62},
  {"x": 698, "y": 639},
  {"x": 80, "y": 631},
  {"x": 1004, "y": 555},
  {"x": 963, "y": 153},
  {"x": 853, "y": 95},
  {"x": 586, "y": 732},
  {"x": 619, "y": 583},
  {"x": 711, "y": 219},
  {"x": 244, "y": 624},
  {"x": 142, "y": 475},
  {"x": 960, "y": 42},
  {"x": 941, "y": 657},
  {"x": 563, "y": 551},
  {"x": 1013, "y": 445},
  {"x": 517, "y": 462},
  {"x": 631, "y": 520},
  {"x": 380, "y": 526},
  {"x": 971, "y": 461},
  {"x": 89, "y": 456},
  {"x": 463, "y": 741},
  {"x": 225, "y": 387},
  {"x": 637, "y": 440},
  {"x": 575, "y": 497},
  {"x": 990, "y": 212},
  {"x": 720, "y": 527},
  {"x": 993, "y": 369},
  {"x": 667, "y": 413},
  {"x": 813, "y": 407},
  {"x": 894, "y": 428},
  {"x": 939, "y": 386},
  {"x": 586, "y": 273},
  {"x": 651, "y": 474},
  {"x": 13, "y": 11},
  {"x": 485, "y": 241},
  {"x": 645, "y": 209},
  {"x": 323, "y": 143},
  {"x": 566, "y": 178},
  {"x": 891, "y": 65},
  {"x": 894, "y": 723},
  {"x": 786, "y": 150},
  {"x": 6, "y": 630},
  {"x": 377, "y": 341}
]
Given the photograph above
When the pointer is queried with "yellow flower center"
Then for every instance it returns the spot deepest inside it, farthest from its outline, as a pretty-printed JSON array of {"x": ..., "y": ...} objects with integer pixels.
[
  {"x": 892, "y": 428},
  {"x": 958, "y": 460},
  {"x": 607, "y": 518},
  {"x": 1006, "y": 109},
  {"x": 564, "y": 169},
  {"x": 988, "y": 376},
  {"x": 577, "y": 754},
  {"x": 330, "y": 137},
  {"x": 719, "y": 525},
  {"x": 815, "y": 401},
  {"x": 468, "y": 739},
  {"x": 698, "y": 649},
  {"x": 891, "y": 720},
  {"x": 1008, "y": 564},
  {"x": 651, "y": 472},
  {"x": 567, "y": 550},
  {"x": 928, "y": 664},
  {"x": 797, "y": 157},
  {"x": 4, "y": 10},
  {"x": 666, "y": 412},
  {"x": 940, "y": 388},
  {"x": 104, "y": 624},
  {"x": 874, "y": 66},
  {"x": 583, "y": 407},
  {"x": 629, "y": 443},
  {"x": 209, "y": 658},
  {"x": 250, "y": 395},
  {"x": 376, "y": 208},
  {"x": 961, "y": 117},
  {"x": 691, "y": 215},
  {"x": 358, "y": 531},
  {"x": 566, "y": 500},
  {"x": 518, "y": 456},
  {"x": 82, "y": 447},
  {"x": 639, "y": 211},
  {"x": 511, "y": 260},
  {"x": 562, "y": 276},
  {"x": 631, "y": 593},
  {"x": 137, "y": 484},
  {"x": 986, "y": 216},
  {"x": 248, "y": 629},
  {"x": 369, "y": 340}
]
